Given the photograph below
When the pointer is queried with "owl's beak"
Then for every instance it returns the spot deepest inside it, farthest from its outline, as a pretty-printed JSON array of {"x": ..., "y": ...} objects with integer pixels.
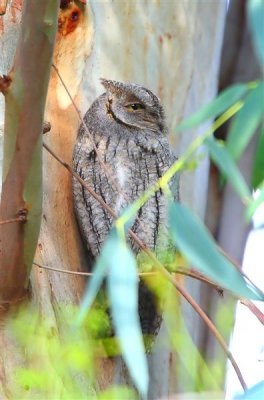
[{"x": 108, "y": 105}]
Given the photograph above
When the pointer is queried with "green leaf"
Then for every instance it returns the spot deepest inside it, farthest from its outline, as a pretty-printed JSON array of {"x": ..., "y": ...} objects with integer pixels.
[
  {"x": 255, "y": 9},
  {"x": 99, "y": 272},
  {"x": 199, "y": 248},
  {"x": 32, "y": 378},
  {"x": 256, "y": 392},
  {"x": 117, "y": 392},
  {"x": 258, "y": 166},
  {"x": 256, "y": 203},
  {"x": 221, "y": 103},
  {"x": 228, "y": 167},
  {"x": 246, "y": 122},
  {"x": 127, "y": 217},
  {"x": 122, "y": 284}
]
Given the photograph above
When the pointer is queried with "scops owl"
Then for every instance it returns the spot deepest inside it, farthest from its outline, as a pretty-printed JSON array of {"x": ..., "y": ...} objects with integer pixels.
[{"x": 122, "y": 152}]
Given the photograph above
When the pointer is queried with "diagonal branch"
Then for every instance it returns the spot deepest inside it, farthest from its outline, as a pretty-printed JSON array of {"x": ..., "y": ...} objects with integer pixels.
[
  {"x": 254, "y": 309},
  {"x": 211, "y": 327},
  {"x": 161, "y": 269}
]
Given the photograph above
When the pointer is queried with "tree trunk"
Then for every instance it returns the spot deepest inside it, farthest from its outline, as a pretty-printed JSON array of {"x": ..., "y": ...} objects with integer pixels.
[{"x": 174, "y": 49}]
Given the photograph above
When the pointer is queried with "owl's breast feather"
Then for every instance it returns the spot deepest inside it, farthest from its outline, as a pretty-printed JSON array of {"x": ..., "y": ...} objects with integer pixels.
[{"x": 122, "y": 180}]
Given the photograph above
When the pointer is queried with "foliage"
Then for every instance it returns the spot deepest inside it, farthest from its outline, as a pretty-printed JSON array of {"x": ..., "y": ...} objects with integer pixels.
[
  {"x": 124, "y": 313},
  {"x": 254, "y": 393},
  {"x": 198, "y": 246},
  {"x": 60, "y": 364}
]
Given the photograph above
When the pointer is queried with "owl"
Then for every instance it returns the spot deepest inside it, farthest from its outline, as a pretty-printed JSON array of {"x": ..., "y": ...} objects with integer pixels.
[{"x": 122, "y": 151}]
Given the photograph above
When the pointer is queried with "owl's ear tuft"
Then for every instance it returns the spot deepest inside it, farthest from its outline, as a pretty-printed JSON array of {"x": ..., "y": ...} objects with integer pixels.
[
  {"x": 104, "y": 82},
  {"x": 111, "y": 86}
]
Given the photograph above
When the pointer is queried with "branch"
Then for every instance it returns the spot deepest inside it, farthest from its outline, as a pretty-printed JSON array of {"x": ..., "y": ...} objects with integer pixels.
[
  {"x": 239, "y": 268},
  {"x": 211, "y": 327},
  {"x": 106, "y": 168},
  {"x": 25, "y": 97},
  {"x": 64, "y": 271},
  {"x": 10, "y": 221},
  {"x": 254, "y": 309},
  {"x": 161, "y": 269},
  {"x": 142, "y": 274},
  {"x": 113, "y": 214}
]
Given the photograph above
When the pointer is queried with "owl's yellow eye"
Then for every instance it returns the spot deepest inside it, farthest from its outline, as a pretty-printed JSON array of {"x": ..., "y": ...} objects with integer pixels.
[{"x": 134, "y": 107}]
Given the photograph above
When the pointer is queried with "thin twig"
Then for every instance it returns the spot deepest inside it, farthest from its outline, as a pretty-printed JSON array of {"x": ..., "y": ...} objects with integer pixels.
[
  {"x": 160, "y": 267},
  {"x": 11, "y": 220},
  {"x": 81, "y": 181},
  {"x": 94, "y": 194},
  {"x": 239, "y": 268},
  {"x": 180, "y": 271},
  {"x": 64, "y": 271},
  {"x": 199, "y": 277},
  {"x": 254, "y": 309},
  {"x": 113, "y": 214},
  {"x": 106, "y": 167},
  {"x": 211, "y": 327}
]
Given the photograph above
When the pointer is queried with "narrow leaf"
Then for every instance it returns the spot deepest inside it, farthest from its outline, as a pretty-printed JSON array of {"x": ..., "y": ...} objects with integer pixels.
[
  {"x": 216, "y": 107},
  {"x": 255, "y": 10},
  {"x": 127, "y": 217},
  {"x": 122, "y": 283},
  {"x": 256, "y": 203},
  {"x": 228, "y": 167},
  {"x": 117, "y": 392},
  {"x": 198, "y": 246},
  {"x": 256, "y": 392},
  {"x": 99, "y": 272},
  {"x": 258, "y": 166},
  {"x": 246, "y": 122}
]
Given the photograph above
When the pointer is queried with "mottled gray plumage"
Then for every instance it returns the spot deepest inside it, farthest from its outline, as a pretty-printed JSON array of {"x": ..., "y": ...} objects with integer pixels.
[{"x": 128, "y": 128}]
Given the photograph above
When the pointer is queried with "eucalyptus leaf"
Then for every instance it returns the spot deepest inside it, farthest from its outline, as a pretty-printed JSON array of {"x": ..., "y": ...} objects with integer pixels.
[
  {"x": 99, "y": 273},
  {"x": 256, "y": 203},
  {"x": 227, "y": 166},
  {"x": 256, "y": 392},
  {"x": 255, "y": 9},
  {"x": 118, "y": 261},
  {"x": 199, "y": 248},
  {"x": 117, "y": 392},
  {"x": 258, "y": 164},
  {"x": 221, "y": 103},
  {"x": 122, "y": 284},
  {"x": 127, "y": 217},
  {"x": 246, "y": 122}
]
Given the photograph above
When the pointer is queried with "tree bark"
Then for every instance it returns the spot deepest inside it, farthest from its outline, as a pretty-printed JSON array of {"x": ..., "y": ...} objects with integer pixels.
[{"x": 22, "y": 162}]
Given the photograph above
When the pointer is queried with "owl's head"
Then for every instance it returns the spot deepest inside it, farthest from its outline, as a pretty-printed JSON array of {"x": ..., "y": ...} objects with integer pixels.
[{"x": 134, "y": 105}]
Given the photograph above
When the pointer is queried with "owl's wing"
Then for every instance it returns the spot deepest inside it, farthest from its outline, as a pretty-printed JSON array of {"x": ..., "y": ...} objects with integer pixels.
[{"x": 175, "y": 185}]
